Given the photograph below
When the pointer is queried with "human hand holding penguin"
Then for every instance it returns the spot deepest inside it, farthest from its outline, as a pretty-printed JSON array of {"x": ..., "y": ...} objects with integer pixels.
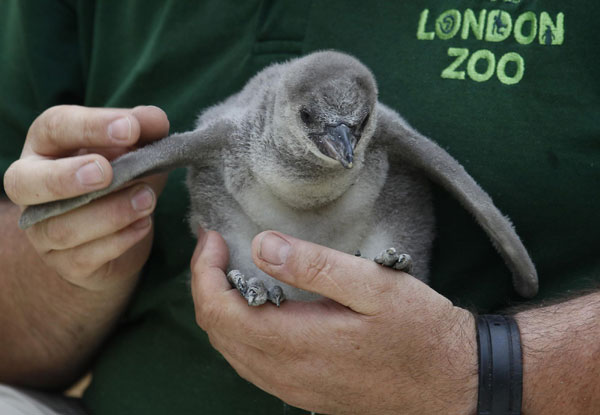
[
  {"x": 381, "y": 342},
  {"x": 67, "y": 153}
]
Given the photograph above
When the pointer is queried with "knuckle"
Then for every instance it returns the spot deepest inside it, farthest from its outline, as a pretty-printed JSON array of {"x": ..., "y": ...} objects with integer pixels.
[
  {"x": 208, "y": 314},
  {"x": 32, "y": 234},
  {"x": 88, "y": 131},
  {"x": 81, "y": 263},
  {"x": 100, "y": 275},
  {"x": 52, "y": 112},
  {"x": 42, "y": 121},
  {"x": 279, "y": 349},
  {"x": 47, "y": 124},
  {"x": 242, "y": 371},
  {"x": 318, "y": 267},
  {"x": 56, "y": 183},
  {"x": 200, "y": 321},
  {"x": 214, "y": 342},
  {"x": 118, "y": 212},
  {"x": 81, "y": 270},
  {"x": 115, "y": 215},
  {"x": 52, "y": 123},
  {"x": 57, "y": 122},
  {"x": 69, "y": 273},
  {"x": 61, "y": 263},
  {"x": 55, "y": 233}
]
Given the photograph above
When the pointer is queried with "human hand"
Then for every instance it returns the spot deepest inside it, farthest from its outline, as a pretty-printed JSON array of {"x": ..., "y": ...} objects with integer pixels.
[
  {"x": 67, "y": 152},
  {"x": 384, "y": 343}
]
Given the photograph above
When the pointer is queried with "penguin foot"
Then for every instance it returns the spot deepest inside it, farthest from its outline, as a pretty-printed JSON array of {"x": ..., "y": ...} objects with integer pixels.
[
  {"x": 392, "y": 259},
  {"x": 254, "y": 290}
]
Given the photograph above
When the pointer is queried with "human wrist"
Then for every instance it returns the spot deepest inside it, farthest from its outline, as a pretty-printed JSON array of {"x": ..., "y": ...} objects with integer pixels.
[
  {"x": 468, "y": 392},
  {"x": 458, "y": 375}
]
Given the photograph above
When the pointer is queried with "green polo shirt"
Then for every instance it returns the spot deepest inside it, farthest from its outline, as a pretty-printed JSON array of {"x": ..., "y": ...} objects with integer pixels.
[{"x": 509, "y": 87}]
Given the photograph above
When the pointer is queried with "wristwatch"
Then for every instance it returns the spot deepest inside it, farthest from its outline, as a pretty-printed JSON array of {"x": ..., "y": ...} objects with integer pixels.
[{"x": 500, "y": 366}]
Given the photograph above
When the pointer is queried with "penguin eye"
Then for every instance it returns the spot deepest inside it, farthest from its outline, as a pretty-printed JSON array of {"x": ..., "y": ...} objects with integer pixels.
[{"x": 305, "y": 116}]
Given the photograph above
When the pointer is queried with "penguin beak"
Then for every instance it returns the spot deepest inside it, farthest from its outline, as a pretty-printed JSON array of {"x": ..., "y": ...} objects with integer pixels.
[{"x": 338, "y": 143}]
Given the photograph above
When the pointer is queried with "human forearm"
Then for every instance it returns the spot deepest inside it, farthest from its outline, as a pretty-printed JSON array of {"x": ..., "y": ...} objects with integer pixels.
[
  {"x": 561, "y": 357},
  {"x": 49, "y": 326}
]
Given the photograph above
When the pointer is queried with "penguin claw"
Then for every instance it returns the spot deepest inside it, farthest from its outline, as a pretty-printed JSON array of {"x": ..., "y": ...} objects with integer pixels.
[
  {"x": 392, "y": 259},
  {"x": 254, "y": 290},
  {"x": 276, "y": 295}
]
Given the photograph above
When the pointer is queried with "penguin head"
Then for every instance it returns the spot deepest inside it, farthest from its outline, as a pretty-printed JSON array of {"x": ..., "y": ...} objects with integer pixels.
[{"x": 327, "y": 103}]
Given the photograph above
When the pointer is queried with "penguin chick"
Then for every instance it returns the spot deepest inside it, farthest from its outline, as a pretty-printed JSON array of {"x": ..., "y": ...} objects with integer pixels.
[{"x": 305, "y": 148}]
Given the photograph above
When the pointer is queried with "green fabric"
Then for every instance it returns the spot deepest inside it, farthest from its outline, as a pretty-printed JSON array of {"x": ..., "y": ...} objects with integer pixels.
[{"x": 531, "y": 139}]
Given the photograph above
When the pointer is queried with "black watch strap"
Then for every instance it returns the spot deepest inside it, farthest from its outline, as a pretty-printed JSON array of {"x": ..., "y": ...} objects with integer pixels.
[{"x": 500, "y": 366}]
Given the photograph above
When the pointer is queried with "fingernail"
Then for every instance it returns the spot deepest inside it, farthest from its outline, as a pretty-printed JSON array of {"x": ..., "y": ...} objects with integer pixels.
[
  {"x": 90, "y": 174},
  {"x": 141, "y": 223},
  {"x": 143, "y": 199},
  {"x": 273, "y": 249},
  {"x": 120, "y": 129}
]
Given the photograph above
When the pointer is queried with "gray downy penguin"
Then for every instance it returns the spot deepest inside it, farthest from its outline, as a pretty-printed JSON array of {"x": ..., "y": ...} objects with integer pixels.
[{"x": 305, "y": 148}]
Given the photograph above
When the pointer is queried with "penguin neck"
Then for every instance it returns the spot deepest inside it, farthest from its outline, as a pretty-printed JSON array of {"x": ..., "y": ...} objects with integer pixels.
[
  {"x": 304, "y": 184},
  {"x": 294, "y": 174}
]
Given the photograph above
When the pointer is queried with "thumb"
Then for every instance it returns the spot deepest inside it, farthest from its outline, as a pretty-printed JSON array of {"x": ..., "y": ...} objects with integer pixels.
[{"x": 357, "y": 283}]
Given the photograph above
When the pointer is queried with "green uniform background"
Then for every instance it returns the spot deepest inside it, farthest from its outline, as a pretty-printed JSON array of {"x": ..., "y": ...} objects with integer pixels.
[{"x": 534, "y": 146}]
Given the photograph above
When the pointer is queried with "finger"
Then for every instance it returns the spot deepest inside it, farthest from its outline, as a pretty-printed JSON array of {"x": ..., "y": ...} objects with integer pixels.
[
  {"x": 153, "y": 121},
  {"x": 211, "y": 291},
  {"x": 354, "y": 282},
  {"x": 34, "y": 180},
  {"x": 216, "y": 302},
  {"x": 63, "y": 129},
  {"x": 154, "y": 125},
  {"x": 92, "y": 261},
  {"x": 95, "y": 220},
  {"x": 219, "y": 307},
  {"x": 209, "y": 263},
  {"x": 124, "y": 271},
  {"x": 200, "y": 241}
]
